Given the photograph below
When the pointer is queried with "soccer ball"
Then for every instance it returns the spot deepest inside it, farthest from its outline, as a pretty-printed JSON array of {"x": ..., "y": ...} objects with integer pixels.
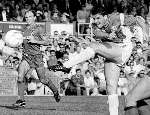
[{"x": 13, "y": 38}]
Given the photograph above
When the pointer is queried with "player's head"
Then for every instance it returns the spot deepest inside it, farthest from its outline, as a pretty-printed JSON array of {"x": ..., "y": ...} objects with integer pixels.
[
  {"x": 30, "y": 16},
  {"x": 99, "y": 20}
]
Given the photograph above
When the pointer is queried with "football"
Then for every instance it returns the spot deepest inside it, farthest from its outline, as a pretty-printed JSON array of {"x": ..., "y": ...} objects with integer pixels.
[{"x": 13, "y": 38}]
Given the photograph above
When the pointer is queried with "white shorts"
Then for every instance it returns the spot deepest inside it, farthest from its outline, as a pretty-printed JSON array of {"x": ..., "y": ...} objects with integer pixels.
[{"x": 126, "y": 52}]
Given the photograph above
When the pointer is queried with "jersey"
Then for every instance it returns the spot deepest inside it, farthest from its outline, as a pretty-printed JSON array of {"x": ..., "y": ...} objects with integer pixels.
[
  {"x": 108, "y": 28},
  {"x": 31, "y": 51}
]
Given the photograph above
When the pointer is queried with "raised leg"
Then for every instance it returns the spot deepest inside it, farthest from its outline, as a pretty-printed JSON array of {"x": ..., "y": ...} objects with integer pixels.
[{"x": 107, "y": 50}]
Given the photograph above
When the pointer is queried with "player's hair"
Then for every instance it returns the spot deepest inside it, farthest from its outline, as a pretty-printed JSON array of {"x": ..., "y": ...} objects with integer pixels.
[
  {"x": 78, "y": 69},
  {"x": 52, "y": 51},
  {"x": 34, "y": 13},
  {"x": 87, "y": 71}
]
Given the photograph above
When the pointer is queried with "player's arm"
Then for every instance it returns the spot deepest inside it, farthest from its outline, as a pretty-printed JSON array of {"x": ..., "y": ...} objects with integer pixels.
[
  {"x": 43, "y": 42},
  {"x": 104, "y": 35},
  {"x": 38, "y": 37},
  {"x": 101, "y": 34}
]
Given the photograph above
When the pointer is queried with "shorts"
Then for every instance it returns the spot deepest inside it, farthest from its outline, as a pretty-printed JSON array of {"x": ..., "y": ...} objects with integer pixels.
[{"x": 126, "y": 53}]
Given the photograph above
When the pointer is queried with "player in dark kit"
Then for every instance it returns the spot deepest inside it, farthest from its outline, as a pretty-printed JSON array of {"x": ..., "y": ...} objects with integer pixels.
[{"x": 32, "y": 58}]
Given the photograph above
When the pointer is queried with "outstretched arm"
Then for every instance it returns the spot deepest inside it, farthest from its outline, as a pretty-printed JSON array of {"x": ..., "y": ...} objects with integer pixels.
[
  {"x": 38, "y": 36},
  {"x": 32, "y": 39},
  {"x": 100, "y": 33},
  {"x": 44, "y": 42}
]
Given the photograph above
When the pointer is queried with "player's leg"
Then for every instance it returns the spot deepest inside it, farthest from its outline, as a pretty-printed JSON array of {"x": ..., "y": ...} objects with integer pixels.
[
  {"x": 22, "y": 70},
  {"x": 45, "y": 78},
  {"x": 107, "y": 50},
  {"x": 139, "y": 92},
  {"x": 119, "y": 91},
  {"x": 112, "y": 72}
]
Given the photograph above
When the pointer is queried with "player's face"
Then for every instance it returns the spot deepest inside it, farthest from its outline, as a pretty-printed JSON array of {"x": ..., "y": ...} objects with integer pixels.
[
  {"x": 30, "y": 18},
  {"x": 99, "y": 20}
]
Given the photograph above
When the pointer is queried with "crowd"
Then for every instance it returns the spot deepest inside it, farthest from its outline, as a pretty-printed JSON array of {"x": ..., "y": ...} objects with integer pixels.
[
  {"x": 86, "y": 78},
  {"x": 64, "y": 12}
]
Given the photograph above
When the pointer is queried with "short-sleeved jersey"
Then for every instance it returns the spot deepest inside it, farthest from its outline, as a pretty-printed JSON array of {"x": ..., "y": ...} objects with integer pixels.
[{"x": 31, "y": 51}]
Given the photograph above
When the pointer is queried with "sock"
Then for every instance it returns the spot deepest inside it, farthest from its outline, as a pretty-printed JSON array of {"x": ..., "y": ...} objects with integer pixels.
[
  {"x": 21, "y": 89},
  {"x": 113, "y": 102}
]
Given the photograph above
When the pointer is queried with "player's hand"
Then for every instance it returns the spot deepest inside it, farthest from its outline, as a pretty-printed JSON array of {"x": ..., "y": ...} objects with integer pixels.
[
  {"x": 112, "y": 35},
  {"x": 114, "y": 28},
  {"x": 95, "y": 32},
  {"x": 31, "y": 39}
]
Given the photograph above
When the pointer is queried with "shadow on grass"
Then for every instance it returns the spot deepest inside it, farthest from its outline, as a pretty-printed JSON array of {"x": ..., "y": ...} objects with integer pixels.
[{"x": 20, "y": 108}]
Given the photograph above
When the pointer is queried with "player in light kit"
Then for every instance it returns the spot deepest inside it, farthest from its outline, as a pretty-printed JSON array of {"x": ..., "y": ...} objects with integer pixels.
[{"x": 113, "y": 42}]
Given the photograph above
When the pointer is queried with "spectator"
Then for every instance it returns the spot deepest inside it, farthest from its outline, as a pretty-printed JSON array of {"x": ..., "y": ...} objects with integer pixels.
[
  {"x": 122, "y": 84},
  {"x": 12, "y": 3},
  {"x": 60, "y": 53},
  {"x": 67, "y": 43},
  {"x": 52, "y": 59},
  {"x": 47, "y": 12},
  {"x": 78, "y": 48},
  {"x": 141, "y": 75},
  {"x": 133, "y": 11},
  {"x": 16, "y": 62},
  {"x": 90, "y": 84},
  {"x": 142, "y": 12},
  {"x": 99, "y": 73},
  {"x": 129, "y": 66},
  {"x": 82, "y": 15},
  {"x": 47, "y": 50},
  {"x": 55, "y": 14},
  {"x": 142, "y": 62},
  {"x": 65, "y": 57},
  {"x": 39, "y": 13},
  {"x": 123, "y": 5},
  {"x": 25, "y": 8},
  {"x": 4, "y": 14},
  {"x": 56, "y": 35},
  {"x": 139, "y": 48},
  {"x": 76, "y": 84},
  {"x": 33, "y": 6},
  {"x": 9, "y": 61},
  {"x": 149, "y": 11},
  {"x": 55, "y": 17},
  {"x": 18, "y": 13},
  {"x": 55, "y": 9},
  {"x": 64, "y": 19},
  {"x": 64, "y": 35},
  {"x": 55, "y": 45}
]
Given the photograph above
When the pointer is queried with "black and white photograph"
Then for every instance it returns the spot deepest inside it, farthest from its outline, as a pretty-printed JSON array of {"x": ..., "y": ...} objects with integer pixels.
[{"x": 74, "y": 57}]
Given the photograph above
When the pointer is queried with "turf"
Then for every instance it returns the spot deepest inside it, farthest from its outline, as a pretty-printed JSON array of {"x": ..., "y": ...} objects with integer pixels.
[{"x": 69, "y": 105}]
